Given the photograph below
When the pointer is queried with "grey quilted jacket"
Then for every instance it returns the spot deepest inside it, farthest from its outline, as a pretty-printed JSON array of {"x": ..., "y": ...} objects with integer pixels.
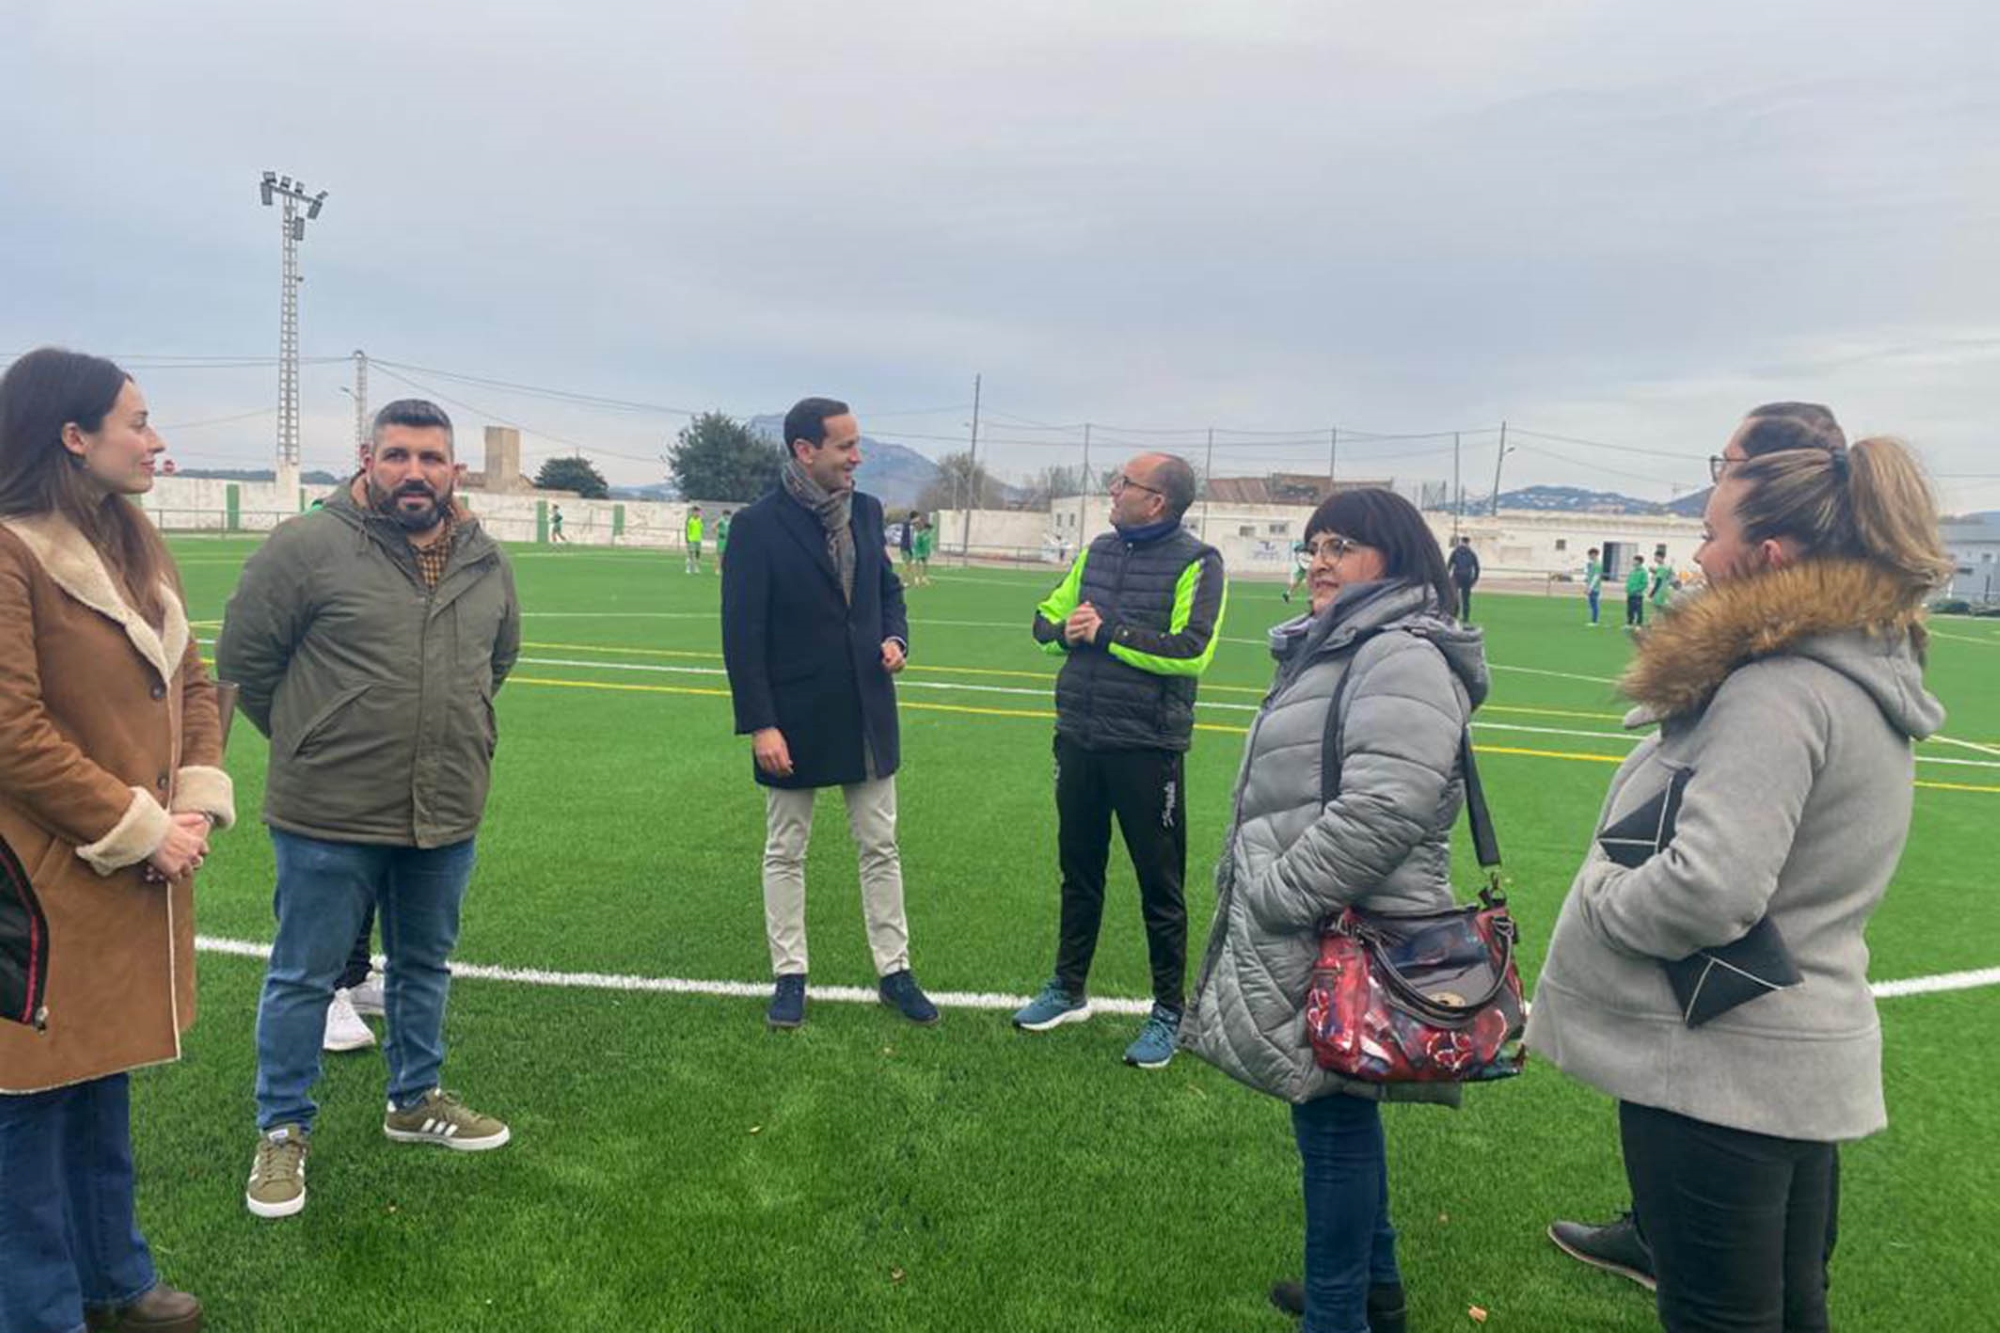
[{"x": 1383, "y": 842}]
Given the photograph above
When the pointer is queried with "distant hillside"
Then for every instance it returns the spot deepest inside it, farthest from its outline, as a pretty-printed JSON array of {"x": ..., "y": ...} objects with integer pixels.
[
  {"x": 659, "y": 490},
  {"x": 891, "y": 473},
  {"x": 1691, "y": 506},
  {"x": 255, "y": 474},
  {"x": 1576, "y": 500}
]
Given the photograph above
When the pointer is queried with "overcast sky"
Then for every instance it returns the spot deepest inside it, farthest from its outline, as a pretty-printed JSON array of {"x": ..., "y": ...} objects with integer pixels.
[{"x": 1614, "y": 222}]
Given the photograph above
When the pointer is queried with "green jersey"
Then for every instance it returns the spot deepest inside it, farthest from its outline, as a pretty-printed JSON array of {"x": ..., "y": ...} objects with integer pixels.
[
  {"x": 1635, "y": 582},
  {"x": 1593, "y": 576},
  {"x": 721, "y": 532},
  {"x": 694, "y": 530}
]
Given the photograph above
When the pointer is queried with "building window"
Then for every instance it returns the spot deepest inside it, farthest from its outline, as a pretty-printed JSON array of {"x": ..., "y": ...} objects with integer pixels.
[
  {"x": 1562, "y": 544},
  {"x": 1280, "y": 529},
  {"x": 1247, "y": 530}
]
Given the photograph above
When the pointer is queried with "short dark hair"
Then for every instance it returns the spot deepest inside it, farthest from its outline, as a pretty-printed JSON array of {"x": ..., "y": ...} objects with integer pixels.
[
  {"x": 416, "y": 413},
  {"x": 807, "y": 420},
  {"x": 1591, "y": 551},
  {"x": 1776, "y": 427},
  {"x": 1389, "y": 523},
  {"x": 1174, "y": 479}
]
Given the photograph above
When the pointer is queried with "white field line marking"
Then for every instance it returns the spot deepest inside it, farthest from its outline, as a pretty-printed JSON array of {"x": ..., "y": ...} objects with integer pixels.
[
  {"x": 1559, "y": 675},
  {"x": 1965, "y": 638},
  {"x": 759, "y": 990},
  {"x": 987, "y": 1000}
]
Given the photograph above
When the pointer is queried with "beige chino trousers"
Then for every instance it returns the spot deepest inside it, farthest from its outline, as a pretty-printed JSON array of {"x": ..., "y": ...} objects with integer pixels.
[{"x": 871, "y": 817}]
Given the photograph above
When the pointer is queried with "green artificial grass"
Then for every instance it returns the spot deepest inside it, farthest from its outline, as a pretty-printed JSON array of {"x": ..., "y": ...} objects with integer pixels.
[{"x": 675, "y": 1166}]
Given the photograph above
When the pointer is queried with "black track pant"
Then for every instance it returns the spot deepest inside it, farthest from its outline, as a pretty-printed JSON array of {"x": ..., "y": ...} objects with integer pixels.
[
  {"x": 1741, "y": 1224},
  {"x": 1635, "y": 608},
  {"x": 1464, "y": 600},
  {"x": 1146, "y": 791}
]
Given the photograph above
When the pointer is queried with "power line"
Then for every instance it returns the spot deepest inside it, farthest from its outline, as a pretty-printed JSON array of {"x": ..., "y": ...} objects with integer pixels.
[
  {"x": 474, "y": 408},
  {"x": 1614, "y": 448},
  {"x": 218, "y": 421}
]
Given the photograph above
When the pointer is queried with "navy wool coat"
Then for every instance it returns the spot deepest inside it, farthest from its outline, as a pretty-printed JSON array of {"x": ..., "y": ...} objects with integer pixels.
[{"x": 802, "y": 659}]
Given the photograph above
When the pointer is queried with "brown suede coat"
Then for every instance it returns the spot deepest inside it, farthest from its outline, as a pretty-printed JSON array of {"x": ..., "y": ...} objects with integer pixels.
[{"x": 107, "y": 724}]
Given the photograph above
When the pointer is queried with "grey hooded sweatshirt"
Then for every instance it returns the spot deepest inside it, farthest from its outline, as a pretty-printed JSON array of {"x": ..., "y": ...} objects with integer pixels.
[
  {"x": 1791, "y": 699},
  {"x": 1383, "y": 842}
]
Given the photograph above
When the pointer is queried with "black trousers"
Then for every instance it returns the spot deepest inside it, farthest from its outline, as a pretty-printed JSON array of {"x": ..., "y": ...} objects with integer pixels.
[
  {"x": 1145, "y": 789},
  {"x": 358, "y": 961},
  {"x": 1742, "y": 1225},
  {"x": 1464, "y": 599}
]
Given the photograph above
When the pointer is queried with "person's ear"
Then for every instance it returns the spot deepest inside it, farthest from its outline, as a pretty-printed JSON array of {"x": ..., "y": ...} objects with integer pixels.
[
  {"x": 72, "y": 438},
  {"x": 1773, "y": 553}
]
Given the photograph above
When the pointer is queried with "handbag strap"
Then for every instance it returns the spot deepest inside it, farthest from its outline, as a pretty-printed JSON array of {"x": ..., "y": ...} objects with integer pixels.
[
  {"x": 1485, "y": 841},
  {"x": 1439, "y": 1010}
]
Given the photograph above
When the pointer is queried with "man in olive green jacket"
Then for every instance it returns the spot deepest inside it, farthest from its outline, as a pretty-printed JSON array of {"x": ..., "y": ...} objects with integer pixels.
[{"x": 367, "y": 639}]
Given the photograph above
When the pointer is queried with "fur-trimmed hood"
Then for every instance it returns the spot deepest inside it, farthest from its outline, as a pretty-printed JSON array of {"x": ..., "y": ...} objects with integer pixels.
[{"x": 1845, "y": 614}]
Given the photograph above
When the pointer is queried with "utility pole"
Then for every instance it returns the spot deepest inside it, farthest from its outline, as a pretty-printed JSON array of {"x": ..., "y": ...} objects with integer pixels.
[
  {"x": 1458, "y": 491},
  {"x": 1497, "y": 461},
  {"x": 1207, "y": 480},
  {"x": 1083, "y": 500},
  {"x": 1332, "y": 455},
  {"x": 288, "y": 194},
  {"x": 971, "y": 475},
  {"x": 361, "y": 432}
]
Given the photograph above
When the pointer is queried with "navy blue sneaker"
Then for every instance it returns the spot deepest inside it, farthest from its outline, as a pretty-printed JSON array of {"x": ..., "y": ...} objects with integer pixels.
[
  {"x": 1052, "y": 1008},
  {"x": 1157, "y": 1039},
  {"x": 899, "y": 990},
  {"x": 788, "y": 1002}
]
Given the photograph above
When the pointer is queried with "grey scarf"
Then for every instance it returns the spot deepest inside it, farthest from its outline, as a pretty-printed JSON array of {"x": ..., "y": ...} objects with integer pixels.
[{"x": 835, "y": 510}]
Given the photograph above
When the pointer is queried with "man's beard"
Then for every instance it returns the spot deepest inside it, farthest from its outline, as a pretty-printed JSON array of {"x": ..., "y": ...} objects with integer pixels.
[{"x": 420, "y": 520}]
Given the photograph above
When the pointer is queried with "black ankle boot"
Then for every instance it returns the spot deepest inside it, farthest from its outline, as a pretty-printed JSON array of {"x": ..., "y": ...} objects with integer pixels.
[{"x": 1387, "y": 1310}]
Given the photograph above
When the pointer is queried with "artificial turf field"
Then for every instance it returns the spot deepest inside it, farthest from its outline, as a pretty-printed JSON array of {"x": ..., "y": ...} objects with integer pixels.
[{"x": 676, "y": 1166}]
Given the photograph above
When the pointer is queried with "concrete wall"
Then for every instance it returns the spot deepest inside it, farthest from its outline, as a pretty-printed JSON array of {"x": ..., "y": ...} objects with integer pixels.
[{"x": 195, "y": 504}]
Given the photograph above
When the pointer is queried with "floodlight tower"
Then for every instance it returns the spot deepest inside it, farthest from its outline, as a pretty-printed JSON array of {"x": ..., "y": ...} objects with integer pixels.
[{"x": 289, "y": 194}]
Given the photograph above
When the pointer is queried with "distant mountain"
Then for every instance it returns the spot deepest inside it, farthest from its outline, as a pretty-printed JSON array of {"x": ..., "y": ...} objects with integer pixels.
[
  {"x": 891, "y": 473},
  {"x": 1576, "y": 500},
  {"x": 1691, "y": 506},
  {"x": 659, "y": 490},
  {"x": 254, "y": 474}
]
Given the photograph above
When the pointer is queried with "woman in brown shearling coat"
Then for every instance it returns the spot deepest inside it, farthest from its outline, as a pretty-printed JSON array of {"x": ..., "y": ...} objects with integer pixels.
[{"x": 109, "y": 785}]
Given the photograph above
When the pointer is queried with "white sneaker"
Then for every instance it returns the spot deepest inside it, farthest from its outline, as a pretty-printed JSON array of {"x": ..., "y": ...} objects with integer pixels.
[
  {"x": 367, "y": 998},
  {"x": 344, "y": 1029}
]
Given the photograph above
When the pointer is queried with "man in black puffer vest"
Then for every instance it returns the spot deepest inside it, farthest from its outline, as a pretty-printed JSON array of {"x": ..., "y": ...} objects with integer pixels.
[{"x": 1137, "y": 621}]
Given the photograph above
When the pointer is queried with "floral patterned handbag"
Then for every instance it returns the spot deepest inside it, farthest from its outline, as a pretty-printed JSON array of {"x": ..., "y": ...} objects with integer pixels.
[{"x": 1420, "y": 997}]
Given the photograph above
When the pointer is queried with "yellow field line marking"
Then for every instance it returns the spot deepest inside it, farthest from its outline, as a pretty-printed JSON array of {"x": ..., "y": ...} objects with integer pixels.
[
  {"x": 1044, "y": 715},
  {"x": 1047, "y": 676}
]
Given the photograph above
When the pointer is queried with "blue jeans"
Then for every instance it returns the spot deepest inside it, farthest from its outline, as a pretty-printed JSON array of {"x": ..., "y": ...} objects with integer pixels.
[
  {"x": 1349, "y": 1242},
  {"x": 1596, "y": 599},
  {"x": 325, "y": 890},
  {"x": 67, "y": 1234}
]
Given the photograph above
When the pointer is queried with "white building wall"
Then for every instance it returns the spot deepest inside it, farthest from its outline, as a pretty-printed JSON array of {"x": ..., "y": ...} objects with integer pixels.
[{"x": 1257, "y": 539}]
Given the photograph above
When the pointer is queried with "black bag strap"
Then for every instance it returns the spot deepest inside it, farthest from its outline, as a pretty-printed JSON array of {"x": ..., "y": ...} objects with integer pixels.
[{"x": 1485, "y": 842}]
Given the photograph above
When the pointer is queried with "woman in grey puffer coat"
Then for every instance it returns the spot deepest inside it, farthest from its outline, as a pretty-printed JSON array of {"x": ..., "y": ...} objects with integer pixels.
[
  {"x": 1381, "y": 613},
  {"x": 1787, "y": 696}
]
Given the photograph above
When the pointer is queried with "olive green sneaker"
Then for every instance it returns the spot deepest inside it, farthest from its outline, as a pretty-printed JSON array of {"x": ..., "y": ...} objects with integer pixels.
[
  {"x": 278, "y": 1173},
  {"x": 442, "y": 1118}
]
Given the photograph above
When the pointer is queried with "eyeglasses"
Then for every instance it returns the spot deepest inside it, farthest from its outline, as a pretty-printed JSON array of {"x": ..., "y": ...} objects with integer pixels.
[
  {"x": 1331, "y": 549},
  {"x": 1718, "y": 464},
  {"x": 1122, "y": 482}
]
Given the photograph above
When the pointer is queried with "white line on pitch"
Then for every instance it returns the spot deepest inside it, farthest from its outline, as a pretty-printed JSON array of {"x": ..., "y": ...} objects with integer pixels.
[
  {"x": 615, "y": 981},
  {"x": 990, "y": 1000}
]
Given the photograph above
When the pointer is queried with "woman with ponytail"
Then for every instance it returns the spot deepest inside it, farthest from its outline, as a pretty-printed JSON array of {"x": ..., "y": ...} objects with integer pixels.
[
  {"x": 110, "y": 746},
  {"x": 1787, "y": 697}
]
